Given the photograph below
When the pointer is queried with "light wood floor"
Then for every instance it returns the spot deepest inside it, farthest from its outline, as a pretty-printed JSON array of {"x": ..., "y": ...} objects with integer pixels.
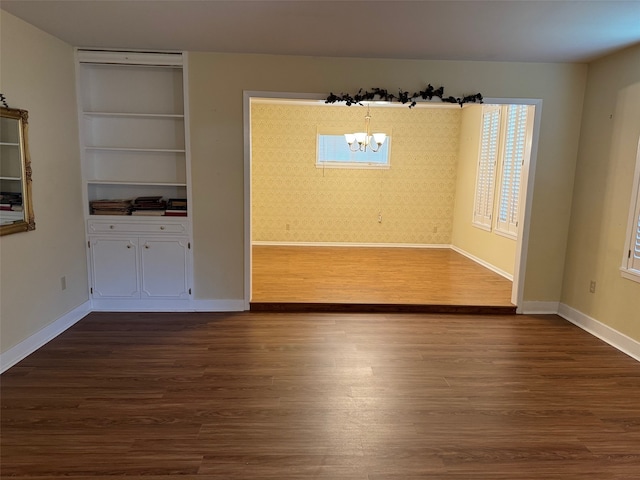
[
  {"x": 321, "y": 396},
  {"x": 374, "y": 276}
]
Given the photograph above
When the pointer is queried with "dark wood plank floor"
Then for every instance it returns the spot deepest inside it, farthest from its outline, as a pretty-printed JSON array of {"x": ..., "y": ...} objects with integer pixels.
[
  {"x": 441, "y": 277},
  {"x": 322, "y": 396}
]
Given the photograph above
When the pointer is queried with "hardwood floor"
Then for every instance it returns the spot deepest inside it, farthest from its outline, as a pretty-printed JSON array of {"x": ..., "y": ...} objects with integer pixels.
[
  {"x": 321, "y": 396},
  {"x": 374, "y": 276}
]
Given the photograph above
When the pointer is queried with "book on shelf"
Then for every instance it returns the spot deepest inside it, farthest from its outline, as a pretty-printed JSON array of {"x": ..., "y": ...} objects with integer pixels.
[
  {"x": 148, "y": 199},
  {"x": 175, "y": 213},
  {"x": 149, "y": 203},
  {"x": 11, "y": 201},
  {"x": 148, "y": 213},
  {"x": 110, "y": 207},
  {"x": 110, "y": 212},
  {"x": 177, "y": 204}
]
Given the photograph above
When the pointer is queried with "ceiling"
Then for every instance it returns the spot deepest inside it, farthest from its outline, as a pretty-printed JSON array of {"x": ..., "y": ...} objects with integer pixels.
[{"x": 484, "y": 30}]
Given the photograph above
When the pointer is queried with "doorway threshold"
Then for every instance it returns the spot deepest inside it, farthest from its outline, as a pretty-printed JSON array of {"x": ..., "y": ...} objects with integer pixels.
[{"x": 306, "y": 307}]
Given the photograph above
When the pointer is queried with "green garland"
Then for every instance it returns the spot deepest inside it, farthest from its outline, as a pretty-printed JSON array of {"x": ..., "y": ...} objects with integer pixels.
[{"x": 402, "y": 97}]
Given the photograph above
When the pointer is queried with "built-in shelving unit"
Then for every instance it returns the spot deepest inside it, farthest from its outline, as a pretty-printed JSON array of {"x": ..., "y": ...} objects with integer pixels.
[
  {"x": 133, "y": 125},
  {"x": 134, "y": 144}
]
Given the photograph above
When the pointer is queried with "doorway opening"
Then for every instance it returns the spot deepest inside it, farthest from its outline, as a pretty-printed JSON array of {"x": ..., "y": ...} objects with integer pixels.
[{"x": 320, "y": 238}]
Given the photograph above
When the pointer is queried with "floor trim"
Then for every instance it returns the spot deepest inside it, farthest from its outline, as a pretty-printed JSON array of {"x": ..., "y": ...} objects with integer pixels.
[
  {"x": 604, "y": 332},
  {"x": 539, "y": 308},
  {"x": 485, "y": 264},
  {"x": 32, "y": 343},
  {"x": 268, "y": 243}
]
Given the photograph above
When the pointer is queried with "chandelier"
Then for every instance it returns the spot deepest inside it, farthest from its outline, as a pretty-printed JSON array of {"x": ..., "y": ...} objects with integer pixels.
[{"x": 361, "y": 141}]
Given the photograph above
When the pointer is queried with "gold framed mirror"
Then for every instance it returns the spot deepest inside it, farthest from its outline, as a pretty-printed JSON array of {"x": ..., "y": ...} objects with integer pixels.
[{"x": 16, "y": 209}]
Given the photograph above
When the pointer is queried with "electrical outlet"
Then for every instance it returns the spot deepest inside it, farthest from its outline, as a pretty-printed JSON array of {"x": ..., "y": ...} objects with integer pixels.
[
  {"x": 592, "y": 286},
  {"x": 63, "y": 282},
  {"x": 380, "y": 218}
]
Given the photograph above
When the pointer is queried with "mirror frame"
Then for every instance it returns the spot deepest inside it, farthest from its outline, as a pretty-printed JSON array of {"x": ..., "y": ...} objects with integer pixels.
[{"x": 28, "y": 222}]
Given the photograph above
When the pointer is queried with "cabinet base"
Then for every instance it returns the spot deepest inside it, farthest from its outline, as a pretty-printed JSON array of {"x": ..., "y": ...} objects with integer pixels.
[{"x": 158, "y": 305}]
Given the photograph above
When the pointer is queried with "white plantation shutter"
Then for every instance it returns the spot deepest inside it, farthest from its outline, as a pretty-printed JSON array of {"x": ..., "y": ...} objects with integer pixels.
[
  {"x": 513, "y": 155},
  {"x": 631, "y": 261},
  {"x": 485, "y": 179},
  {"x": 634, "y": 245}
]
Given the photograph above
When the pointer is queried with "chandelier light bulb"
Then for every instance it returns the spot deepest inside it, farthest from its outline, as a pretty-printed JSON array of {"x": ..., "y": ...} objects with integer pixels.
[{"x": 360, "y": 141}]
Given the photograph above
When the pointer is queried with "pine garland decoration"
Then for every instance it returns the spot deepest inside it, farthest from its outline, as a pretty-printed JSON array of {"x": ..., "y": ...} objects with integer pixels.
[{"x": 402, "y": 97}]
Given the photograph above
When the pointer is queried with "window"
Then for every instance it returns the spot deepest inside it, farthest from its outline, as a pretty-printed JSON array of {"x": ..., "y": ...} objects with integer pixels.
[
  {"x": 333, "y": 151},
  {"x": 631, "y": 261},
  {"x": 514, "y": 149},
  {"x": 485, "y": 179},
  {"x": 505, "y": 143}
]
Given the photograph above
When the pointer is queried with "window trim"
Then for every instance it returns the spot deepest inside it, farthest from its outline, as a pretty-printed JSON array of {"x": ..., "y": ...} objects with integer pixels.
[{"x": 633, "y": 229}]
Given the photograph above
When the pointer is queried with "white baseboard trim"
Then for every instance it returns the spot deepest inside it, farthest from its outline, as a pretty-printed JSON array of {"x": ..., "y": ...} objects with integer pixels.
[
  {"x": 230, "y": 305},
  {"x": 348, "y": 244},
  {"x": 604, "y": 332},
  {"x": 157, "y": 305},
  {"x": 485, "y": 264},
  {"x": 539, "y": 308},
  {"x": 25, "y": 348}
]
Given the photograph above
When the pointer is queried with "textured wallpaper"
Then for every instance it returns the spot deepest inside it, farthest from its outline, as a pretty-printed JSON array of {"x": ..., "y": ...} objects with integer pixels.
[{"x": 293, "y": 201}]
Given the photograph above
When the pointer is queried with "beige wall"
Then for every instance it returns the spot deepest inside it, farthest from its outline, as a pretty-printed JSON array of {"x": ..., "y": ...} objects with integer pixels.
[
  {"x": 415, "y": 196},
  {"x": 602, "y": 195},
  {"x": 491, "y": 247},
  {"x": 37, "y": 74},
  {"x": 217, "y": 82}
]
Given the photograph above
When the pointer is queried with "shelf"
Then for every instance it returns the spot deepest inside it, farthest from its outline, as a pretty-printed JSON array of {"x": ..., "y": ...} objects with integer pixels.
[
  {"x": 151, "y": 184},
  {"x": 133, "y": 115},
  {"x": 149, "y": 150},
  {"x": 9, "y": 144},
  {"x": 16, "y": 179},
  {"x": 132, "y": 127}
]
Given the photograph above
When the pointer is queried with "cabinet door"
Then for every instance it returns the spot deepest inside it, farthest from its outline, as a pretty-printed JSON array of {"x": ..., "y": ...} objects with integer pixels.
[
  {"x": 114, "y": 267},
  {"x": 164, "y": 268}
]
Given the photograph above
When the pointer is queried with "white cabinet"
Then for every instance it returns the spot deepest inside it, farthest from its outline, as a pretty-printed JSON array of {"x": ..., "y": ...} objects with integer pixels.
[
  {"x": 114, "y": 267},
  {"x": 133, "y": 136},
  {"x": 163, "y": 267},
  {"x": 139, "y": 267}
]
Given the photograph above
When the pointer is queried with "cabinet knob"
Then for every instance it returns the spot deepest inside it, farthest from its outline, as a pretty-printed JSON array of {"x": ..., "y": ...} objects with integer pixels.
[
  {"x": 146, "y": 246},
  {"x": 162, "y": 227},
  {"x": 128, "y": 246},
  {"x": 111, "y": 227}
]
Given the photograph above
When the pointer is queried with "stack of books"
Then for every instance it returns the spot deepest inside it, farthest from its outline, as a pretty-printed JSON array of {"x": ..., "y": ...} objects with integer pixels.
[
  {"x": 110, "y": 207},
  {"x": 149, "y": 206},
  {"x": 176, "y": 207},
  {"x": 11, "y": 201}
]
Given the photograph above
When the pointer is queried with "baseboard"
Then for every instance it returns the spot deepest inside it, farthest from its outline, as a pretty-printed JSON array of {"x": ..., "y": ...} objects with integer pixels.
[
  {"x": 598, "y": 329},
  {"x": 158, "y": 305},
  {"x": 538, "y": 308},
  {"x": 348, "y": 244},
  {"x": 43, "y": 336},
  {"x": 485, "y": 264},
  {"x": 229, "y": 305}
]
